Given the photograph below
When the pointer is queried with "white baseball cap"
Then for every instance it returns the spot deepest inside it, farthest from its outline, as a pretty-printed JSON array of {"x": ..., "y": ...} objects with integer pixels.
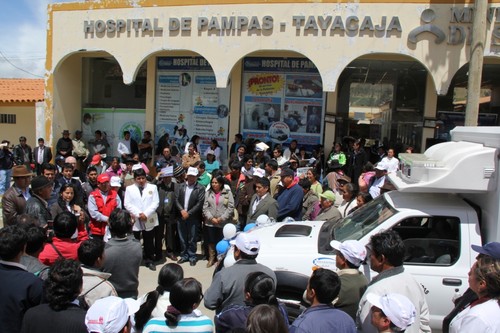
[
  {"x": 108, "y": 315},
  {"x": 247, "y": 242},
  {"x": 398, "y": 308},
  {"x": 115, "y": 181},
  {"x": 381, "y": 166},
  {"x": 258, "y": 172},
  {"x": 192, "y": 171},
  {"x": 352, "y": 250}
]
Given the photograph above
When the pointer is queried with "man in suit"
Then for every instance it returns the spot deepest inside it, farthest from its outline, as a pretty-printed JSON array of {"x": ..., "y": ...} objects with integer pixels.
[
  {"x": 189, "y": 198},
  {"x": 23, "y": 153},
  {"x": 142, "y": 200},
  {"x": 66, "y": 177},
  {"x": 262, "y": 202},
  {"x": 41, "y": 154}
]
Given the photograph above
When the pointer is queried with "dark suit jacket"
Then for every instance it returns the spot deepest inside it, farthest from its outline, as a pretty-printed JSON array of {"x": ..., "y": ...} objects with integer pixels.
[
  {"x": 195, "y": 204},
  {"x": 47, "y": 155},
  {"x": 267, "y": 206}
]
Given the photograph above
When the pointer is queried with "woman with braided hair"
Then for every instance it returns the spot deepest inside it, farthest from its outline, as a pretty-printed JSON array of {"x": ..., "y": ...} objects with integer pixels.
[
  {"x": 156, "y": 302},
  {"x": 259, "y": 289},
  {"x": 182, "y": 315}
]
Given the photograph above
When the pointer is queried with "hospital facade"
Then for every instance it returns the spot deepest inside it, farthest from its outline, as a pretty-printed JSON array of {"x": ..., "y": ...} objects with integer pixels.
[{"x": 315, "y": 71}]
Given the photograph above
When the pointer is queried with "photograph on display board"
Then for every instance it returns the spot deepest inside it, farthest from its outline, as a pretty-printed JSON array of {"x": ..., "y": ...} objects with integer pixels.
[
  {"x": 259, "y": 116},
  {"x": 303, "y": 86}
]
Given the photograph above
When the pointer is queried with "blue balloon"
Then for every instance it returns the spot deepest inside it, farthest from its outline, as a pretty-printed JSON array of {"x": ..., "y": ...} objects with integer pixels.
[
  {"x": 222, "y": 246},
  {"x": 249, "y": 226}
]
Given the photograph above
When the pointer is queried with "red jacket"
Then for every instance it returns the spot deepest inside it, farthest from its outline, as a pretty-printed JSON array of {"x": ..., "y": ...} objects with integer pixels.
[
  {"x": 67, "y": 247},
  {"x": 99, "y": 227}
]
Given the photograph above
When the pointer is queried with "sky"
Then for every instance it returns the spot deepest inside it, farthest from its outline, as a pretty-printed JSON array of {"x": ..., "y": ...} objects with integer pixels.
[{"x": 23, "y": 30}]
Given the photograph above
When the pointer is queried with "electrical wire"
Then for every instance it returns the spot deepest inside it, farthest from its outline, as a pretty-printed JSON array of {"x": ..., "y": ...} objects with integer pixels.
[{"x": 19, "y": 68}]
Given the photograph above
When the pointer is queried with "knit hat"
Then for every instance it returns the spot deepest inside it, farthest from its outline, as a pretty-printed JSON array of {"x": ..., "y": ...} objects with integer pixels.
[{"x": 178, "y": 171}]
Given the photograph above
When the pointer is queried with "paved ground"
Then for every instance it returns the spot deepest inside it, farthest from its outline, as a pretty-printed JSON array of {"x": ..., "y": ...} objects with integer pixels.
[{"x": 148, "y": 279}]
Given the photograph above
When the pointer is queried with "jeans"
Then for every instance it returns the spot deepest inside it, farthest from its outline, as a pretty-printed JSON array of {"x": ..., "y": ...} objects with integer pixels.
[
  {"x": 5, "y": 177},
  {"x": 187, "y": 234}
]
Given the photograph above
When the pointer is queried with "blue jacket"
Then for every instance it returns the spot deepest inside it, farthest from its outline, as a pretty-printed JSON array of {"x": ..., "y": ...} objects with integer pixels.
[
  {"x": 290, "y": 202},
  {"x": 323, "y": 318}
]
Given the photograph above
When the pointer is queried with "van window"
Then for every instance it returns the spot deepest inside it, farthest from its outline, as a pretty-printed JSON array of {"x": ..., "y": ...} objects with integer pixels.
[
  {"x": 364, "y": 220},
  {"x": 430, "y": 240}
]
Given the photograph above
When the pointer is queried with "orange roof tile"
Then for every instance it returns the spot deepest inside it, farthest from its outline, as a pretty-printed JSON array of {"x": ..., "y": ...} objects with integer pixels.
[{"x": 21, "y": 90}]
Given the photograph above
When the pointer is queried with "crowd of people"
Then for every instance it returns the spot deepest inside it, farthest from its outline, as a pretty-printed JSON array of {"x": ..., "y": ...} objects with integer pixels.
[{"x": 69, "y": 224}]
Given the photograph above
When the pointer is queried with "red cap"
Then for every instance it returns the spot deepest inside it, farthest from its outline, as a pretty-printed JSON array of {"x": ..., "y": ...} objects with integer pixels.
[
  {"x": 96, "y": 159},
  {"x": 102, "y": 178}
]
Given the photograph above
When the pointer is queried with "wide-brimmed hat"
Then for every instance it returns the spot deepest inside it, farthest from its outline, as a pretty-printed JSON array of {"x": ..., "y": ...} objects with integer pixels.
[
  {"x": 21, "y": 171},
  {"x": 40, "y": 182}
]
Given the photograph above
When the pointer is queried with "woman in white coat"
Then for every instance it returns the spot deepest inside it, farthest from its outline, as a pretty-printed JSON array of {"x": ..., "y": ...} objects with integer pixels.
[
  {"x": 142, "y": 200},
  {"x": 218, "y": 210}
]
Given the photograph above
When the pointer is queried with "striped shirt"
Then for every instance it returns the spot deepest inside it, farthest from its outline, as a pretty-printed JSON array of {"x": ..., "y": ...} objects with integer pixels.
[{"x": 194, "y": 322}]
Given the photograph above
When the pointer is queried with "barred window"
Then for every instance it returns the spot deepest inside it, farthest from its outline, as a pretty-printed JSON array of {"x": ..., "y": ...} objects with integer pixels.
[{"x": 7, "y": 118}]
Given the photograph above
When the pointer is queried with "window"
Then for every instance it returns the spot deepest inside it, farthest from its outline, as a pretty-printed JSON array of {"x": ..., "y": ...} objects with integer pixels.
[
  {"x": 430, "y": 240},
  {"x": 7, "y": 118}
]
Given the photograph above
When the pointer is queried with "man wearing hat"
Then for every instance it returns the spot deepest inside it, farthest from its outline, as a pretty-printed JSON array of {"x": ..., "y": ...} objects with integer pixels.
[
  {"x": 349, "y": 256},
  {"x": 6, "y": 163},
  {"x": 328, "y": 211},
  {"x": 23, "y": 153},
  {"x": 378, "y": 180},
  {"x": 167, "y": 227},
  {"x": 99, "y": 164},
  {"x": 80, "y": 151},
  {"x": 14, "y": 199},
  {"x": 100, "y": 205},
  {"x": 228, "y": 285},
  {"x": 189, "y": 199},
  {"x": 41, "y": 154},
  {"x": 36, "y": 206},
  {"x": 110, "y": 315},
  {"x": 179, "y": 174},
  {"x": 64, "y": 146},
  {"x": 391, "y": 312},
  {"x": 290, "y": 197}
]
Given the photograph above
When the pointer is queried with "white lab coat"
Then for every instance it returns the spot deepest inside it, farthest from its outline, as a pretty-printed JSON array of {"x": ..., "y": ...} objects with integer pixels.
[{"x": 147, "y": 204}]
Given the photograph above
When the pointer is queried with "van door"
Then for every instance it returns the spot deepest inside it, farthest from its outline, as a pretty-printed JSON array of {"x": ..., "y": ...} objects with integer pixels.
[{"x": 438, "y": 256}]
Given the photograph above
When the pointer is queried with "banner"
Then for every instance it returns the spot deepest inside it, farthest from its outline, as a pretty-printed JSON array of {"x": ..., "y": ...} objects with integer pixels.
[
  {"x": 282, "y": 100},
  {"x": 188, "y": 103},
  {"x": 112, "y": 123}
]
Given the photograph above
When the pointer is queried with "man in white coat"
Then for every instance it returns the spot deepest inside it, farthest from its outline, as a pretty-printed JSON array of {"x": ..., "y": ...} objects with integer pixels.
[{"x": 142, "y": 200}]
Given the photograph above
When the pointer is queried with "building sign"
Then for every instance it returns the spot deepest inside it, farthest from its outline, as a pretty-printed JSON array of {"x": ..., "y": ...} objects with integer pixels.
[
  {"x": 188, "y": 103},
  {"x": 282, "y": 100},
  {"x": 457, "y": 32}
]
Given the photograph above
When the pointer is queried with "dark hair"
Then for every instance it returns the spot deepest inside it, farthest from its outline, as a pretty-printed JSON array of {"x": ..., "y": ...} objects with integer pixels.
[
  {"x": 389, "y": 244},
  {"x": 220, "y": 179},
  {"x": 26, "y": 220},
  {"x": 201, "y": 165},
  {"x": 168, "y": 276},
  {"x": 98, "y": 132},
  {"x": 278, "y": 148},
  {"x": 119, "y": 222},
  {"x": 91, "y": 168},
  {"x": 126, "y": 132},
  {"x": 67, "y": 166},
  {"x": 22, "y": 138},
  {"x": 193, "y": 140},
  {"x": 139, "y": 173},
  {"x": 263, "y": 181},
  {"x": 261, "y": 288},
  {"x": 63, "y": 188},
  {"x": 13, "y": 238},
  {"x": 36, "y": 239},
  {"x": 246, "y": 158},
  {"x": 273, "y": 164},
  {"x": 315, "y": 173},
  {"x": 90, "y": 250},
  {"x": 117, "y": 159},
  {"x": 41, "y": 139},
  {"x": 305, "y": 183},
  {"x": 367, "y": 197},
  {"x": 326, "y": 284},
  {"x": 63, "y": 284},
  {"x": 183, "y": 295},
  {"x": 235, "y": 165},
  {"x": 217, "y": 173},
  {"x": 352, "y": 189},
  {"x": 265, "y": 318},
  {"x": 65, "y": 225},
  {"x": 48, "y": 166},
  {"x": 238, "y": 135}
]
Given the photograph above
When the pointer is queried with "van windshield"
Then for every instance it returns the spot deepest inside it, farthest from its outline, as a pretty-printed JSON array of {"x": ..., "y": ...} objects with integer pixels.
[{"x": 364, "y": 220}]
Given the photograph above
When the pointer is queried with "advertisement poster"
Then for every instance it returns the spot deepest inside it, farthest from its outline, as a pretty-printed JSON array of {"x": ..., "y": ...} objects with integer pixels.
[
  {"x": 283, "y": 100},
  {"x": 188, "y": 103},
  {"x": 112, "y": 123}
]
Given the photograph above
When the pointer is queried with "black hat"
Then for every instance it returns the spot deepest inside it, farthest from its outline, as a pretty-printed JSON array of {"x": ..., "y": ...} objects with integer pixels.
[
  {"x": 287, "y": 172},
  {"x": 40, "y": 182},
  {"x": 78, "y": 132}
]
